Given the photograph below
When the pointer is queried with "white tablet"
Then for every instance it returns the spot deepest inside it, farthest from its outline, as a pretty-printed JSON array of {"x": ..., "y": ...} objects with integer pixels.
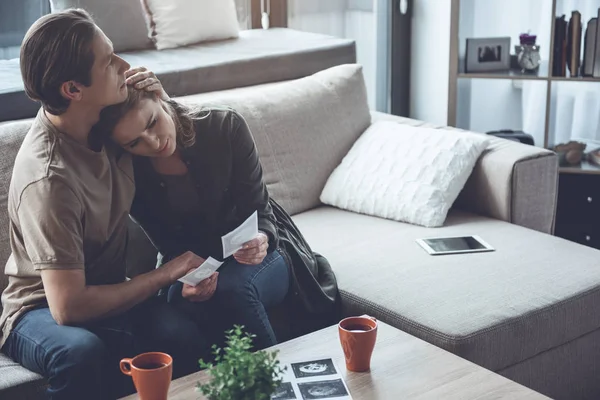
[{"x": 454, "y": 245}]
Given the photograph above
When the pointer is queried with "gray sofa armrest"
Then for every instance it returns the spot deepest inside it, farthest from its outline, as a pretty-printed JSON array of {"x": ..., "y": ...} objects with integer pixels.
[{"x": 511, "y": 181}]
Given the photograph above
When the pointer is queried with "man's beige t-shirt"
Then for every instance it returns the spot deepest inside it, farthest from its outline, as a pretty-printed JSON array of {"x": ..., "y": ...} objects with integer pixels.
[{"x": 68, "y": 209}]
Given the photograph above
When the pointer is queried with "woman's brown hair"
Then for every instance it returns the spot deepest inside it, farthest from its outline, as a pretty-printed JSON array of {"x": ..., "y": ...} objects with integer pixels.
[{"x": 183, "y": 117}]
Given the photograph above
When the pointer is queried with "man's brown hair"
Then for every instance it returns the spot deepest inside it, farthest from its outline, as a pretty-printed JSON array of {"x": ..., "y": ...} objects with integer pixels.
[{"x": 57, "y": 49}]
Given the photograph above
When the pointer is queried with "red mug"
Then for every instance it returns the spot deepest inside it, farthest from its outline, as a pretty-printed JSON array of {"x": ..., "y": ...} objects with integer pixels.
[
  {"x": 358, "y": 336},
  {"x": 151, "y": 373}
]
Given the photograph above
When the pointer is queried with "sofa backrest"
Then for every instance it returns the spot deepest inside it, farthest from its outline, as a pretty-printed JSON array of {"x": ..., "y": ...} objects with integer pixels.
[
  {"x": 302, "y": 128},
  {"x": 11, "y": 137}
]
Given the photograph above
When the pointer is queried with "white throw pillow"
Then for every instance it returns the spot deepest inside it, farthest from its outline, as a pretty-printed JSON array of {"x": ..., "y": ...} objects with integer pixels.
[
  {"x": 175, "y": 23},
  {"x": 404, "y": 173}
]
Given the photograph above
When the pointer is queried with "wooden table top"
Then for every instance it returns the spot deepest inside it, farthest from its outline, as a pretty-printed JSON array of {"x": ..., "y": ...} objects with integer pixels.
[{"x": 402, "y": 366}]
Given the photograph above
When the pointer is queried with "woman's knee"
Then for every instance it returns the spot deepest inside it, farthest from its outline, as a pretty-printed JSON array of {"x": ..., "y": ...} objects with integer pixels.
[{"x": 266, "y": 282}]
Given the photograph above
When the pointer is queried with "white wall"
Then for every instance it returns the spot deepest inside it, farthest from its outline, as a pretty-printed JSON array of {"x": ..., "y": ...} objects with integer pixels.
[
  {"x": 361, "y": 26},
  {"x": 334, "y": 19},
  {"x": 328, "y": 23},
  {"x": 430, "y": 57}
]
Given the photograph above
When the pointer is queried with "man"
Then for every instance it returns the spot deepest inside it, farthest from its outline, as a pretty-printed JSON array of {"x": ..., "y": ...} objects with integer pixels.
[{"x": 69, "y": 314}]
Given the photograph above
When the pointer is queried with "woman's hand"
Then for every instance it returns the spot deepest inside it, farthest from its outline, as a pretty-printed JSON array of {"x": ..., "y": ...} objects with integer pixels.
[
  {"x": 141, "y": 78},
  {"x": 202, "y": 291},
  {"x": 254, "y": 251}
]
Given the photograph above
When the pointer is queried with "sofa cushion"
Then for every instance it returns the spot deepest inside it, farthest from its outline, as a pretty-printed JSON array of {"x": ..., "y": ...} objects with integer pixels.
[
  {"x": 176, "y": 23},
  {"x": 14, "y": 103},
  {"x": 257, "y": 56},
  {"x": 11, "y": 137},
  {"x": 123, "y": 21},
  {"x": 302, "y": 128},
  {"x": 17, "y": 382},
  {"x": 405, "y": 173},
  {"x": 535, "y": 292}
]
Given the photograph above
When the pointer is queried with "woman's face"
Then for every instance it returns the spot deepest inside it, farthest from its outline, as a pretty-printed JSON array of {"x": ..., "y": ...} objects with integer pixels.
[{"x": 147, "y": 130}]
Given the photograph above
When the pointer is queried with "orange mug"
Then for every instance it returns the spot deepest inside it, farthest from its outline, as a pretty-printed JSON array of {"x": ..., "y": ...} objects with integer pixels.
[
  {"x": 358, "y": 336},
  {"x": 151, "y": 373}
]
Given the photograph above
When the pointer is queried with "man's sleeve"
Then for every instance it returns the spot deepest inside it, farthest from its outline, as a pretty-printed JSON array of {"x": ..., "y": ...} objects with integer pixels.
[{"x": 50, "y": 216}]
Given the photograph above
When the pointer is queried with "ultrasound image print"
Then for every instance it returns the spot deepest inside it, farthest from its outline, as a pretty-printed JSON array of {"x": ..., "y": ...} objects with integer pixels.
[
  {"x": 322, "y": 389},
  {"x": 314, "y": 368},
  {"x": 285, "y": 391}
]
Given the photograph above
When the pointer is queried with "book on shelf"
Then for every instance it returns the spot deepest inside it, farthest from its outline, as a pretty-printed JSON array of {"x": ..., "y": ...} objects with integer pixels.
[
  {"x": 559, "y": 65},
  {"x": 596, "y": 73},
  {"x": 589, "y": 48},
  {"x": 574, "y": 44}
]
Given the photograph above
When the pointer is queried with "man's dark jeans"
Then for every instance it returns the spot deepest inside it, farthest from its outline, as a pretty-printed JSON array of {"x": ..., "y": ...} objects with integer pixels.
[{"x": 83, "y": 362}]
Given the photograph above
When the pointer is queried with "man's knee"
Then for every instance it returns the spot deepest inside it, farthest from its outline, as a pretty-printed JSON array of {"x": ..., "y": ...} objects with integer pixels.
[{"x": 82, "y": 349}]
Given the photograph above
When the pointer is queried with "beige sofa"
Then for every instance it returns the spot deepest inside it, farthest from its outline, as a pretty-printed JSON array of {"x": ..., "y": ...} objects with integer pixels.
[{"x": 529, "y": 311}]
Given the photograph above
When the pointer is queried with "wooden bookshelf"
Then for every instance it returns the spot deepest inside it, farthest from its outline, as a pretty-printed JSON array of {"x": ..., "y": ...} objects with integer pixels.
[{"x": 457, "y": 73}]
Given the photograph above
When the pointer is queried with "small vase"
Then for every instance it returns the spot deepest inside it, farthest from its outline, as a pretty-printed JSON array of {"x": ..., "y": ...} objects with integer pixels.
[{"x": 528, "y": 57}]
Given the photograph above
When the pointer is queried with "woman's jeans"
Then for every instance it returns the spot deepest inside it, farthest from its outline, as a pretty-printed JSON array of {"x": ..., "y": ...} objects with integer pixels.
[
  {"x": 244, "y": 294},
  {"x": 83, "y": 362}
]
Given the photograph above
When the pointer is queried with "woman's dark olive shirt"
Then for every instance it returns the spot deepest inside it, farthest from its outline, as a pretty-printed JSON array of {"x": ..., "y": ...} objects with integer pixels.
[{"x": 223, "y": 165}]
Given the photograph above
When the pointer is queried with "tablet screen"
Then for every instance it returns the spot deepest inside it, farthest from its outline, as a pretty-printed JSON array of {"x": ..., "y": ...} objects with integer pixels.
[{"x": 454, "y": 244}]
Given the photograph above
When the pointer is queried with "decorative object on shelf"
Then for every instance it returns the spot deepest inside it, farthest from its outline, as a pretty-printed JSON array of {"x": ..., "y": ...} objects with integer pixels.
[
  {"x": 589, "y": 47},
  {"x": 570, "y": 154},
  {"x": 239, "y": 373},
  {"x": 527, "y": 39},
  {"x": 528, "y": 53},
  {"x": 574, "y": 44},
  {"x": 487, "y": 54},
  {"x": 593, "y": 157}
]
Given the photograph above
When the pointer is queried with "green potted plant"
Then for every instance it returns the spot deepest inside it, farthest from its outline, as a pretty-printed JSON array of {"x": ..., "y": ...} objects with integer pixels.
[{"x": 239, "y": 374}]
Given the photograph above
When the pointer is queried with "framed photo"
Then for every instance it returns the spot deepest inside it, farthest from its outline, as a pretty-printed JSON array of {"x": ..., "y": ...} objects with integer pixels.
[{"x": 487, "y": 54}]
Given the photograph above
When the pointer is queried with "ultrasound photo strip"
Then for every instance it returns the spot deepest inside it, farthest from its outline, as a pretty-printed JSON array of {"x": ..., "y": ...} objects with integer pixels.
[
  {"x": 323, "y": 389},
  {"x": 285, "y": 391},
  {"x": 310, "y": 369}
]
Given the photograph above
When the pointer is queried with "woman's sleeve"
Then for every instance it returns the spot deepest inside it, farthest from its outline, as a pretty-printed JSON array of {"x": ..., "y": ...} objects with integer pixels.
[
  {"x": 142, "y": 216},
  {"x": 248, "y": 189}
]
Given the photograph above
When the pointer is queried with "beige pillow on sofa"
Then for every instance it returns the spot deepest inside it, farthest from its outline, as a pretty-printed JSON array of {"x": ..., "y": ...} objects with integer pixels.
[
  {"x": 405, "y": 173},
  {"x": 123, "y": 21},
  {"x": 175, "y": 23}
]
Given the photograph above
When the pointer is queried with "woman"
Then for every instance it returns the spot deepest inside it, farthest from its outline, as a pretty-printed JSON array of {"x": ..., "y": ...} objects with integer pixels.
[{"x": 198, "y": 177}]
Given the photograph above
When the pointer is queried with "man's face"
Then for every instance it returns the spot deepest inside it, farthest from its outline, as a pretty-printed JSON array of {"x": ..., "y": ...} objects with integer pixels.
[{"x": 108, "y": 75}]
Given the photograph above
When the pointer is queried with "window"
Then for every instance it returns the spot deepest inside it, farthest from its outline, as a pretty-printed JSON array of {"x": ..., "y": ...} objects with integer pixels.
[{"x": 16, "y": 16}]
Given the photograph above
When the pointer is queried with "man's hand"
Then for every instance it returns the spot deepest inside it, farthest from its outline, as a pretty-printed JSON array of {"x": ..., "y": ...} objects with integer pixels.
[
  {"x": 202, "y": 291},
  {"x": 73, "y": 302},
  {"x": 254, "y": 251},
  {"x": 141, "y": 78},
  {"x": 180, "y": 266}
]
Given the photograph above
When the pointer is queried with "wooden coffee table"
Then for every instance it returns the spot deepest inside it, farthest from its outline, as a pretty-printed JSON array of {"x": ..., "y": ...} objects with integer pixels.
[{"x": 402, "y": 367}]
